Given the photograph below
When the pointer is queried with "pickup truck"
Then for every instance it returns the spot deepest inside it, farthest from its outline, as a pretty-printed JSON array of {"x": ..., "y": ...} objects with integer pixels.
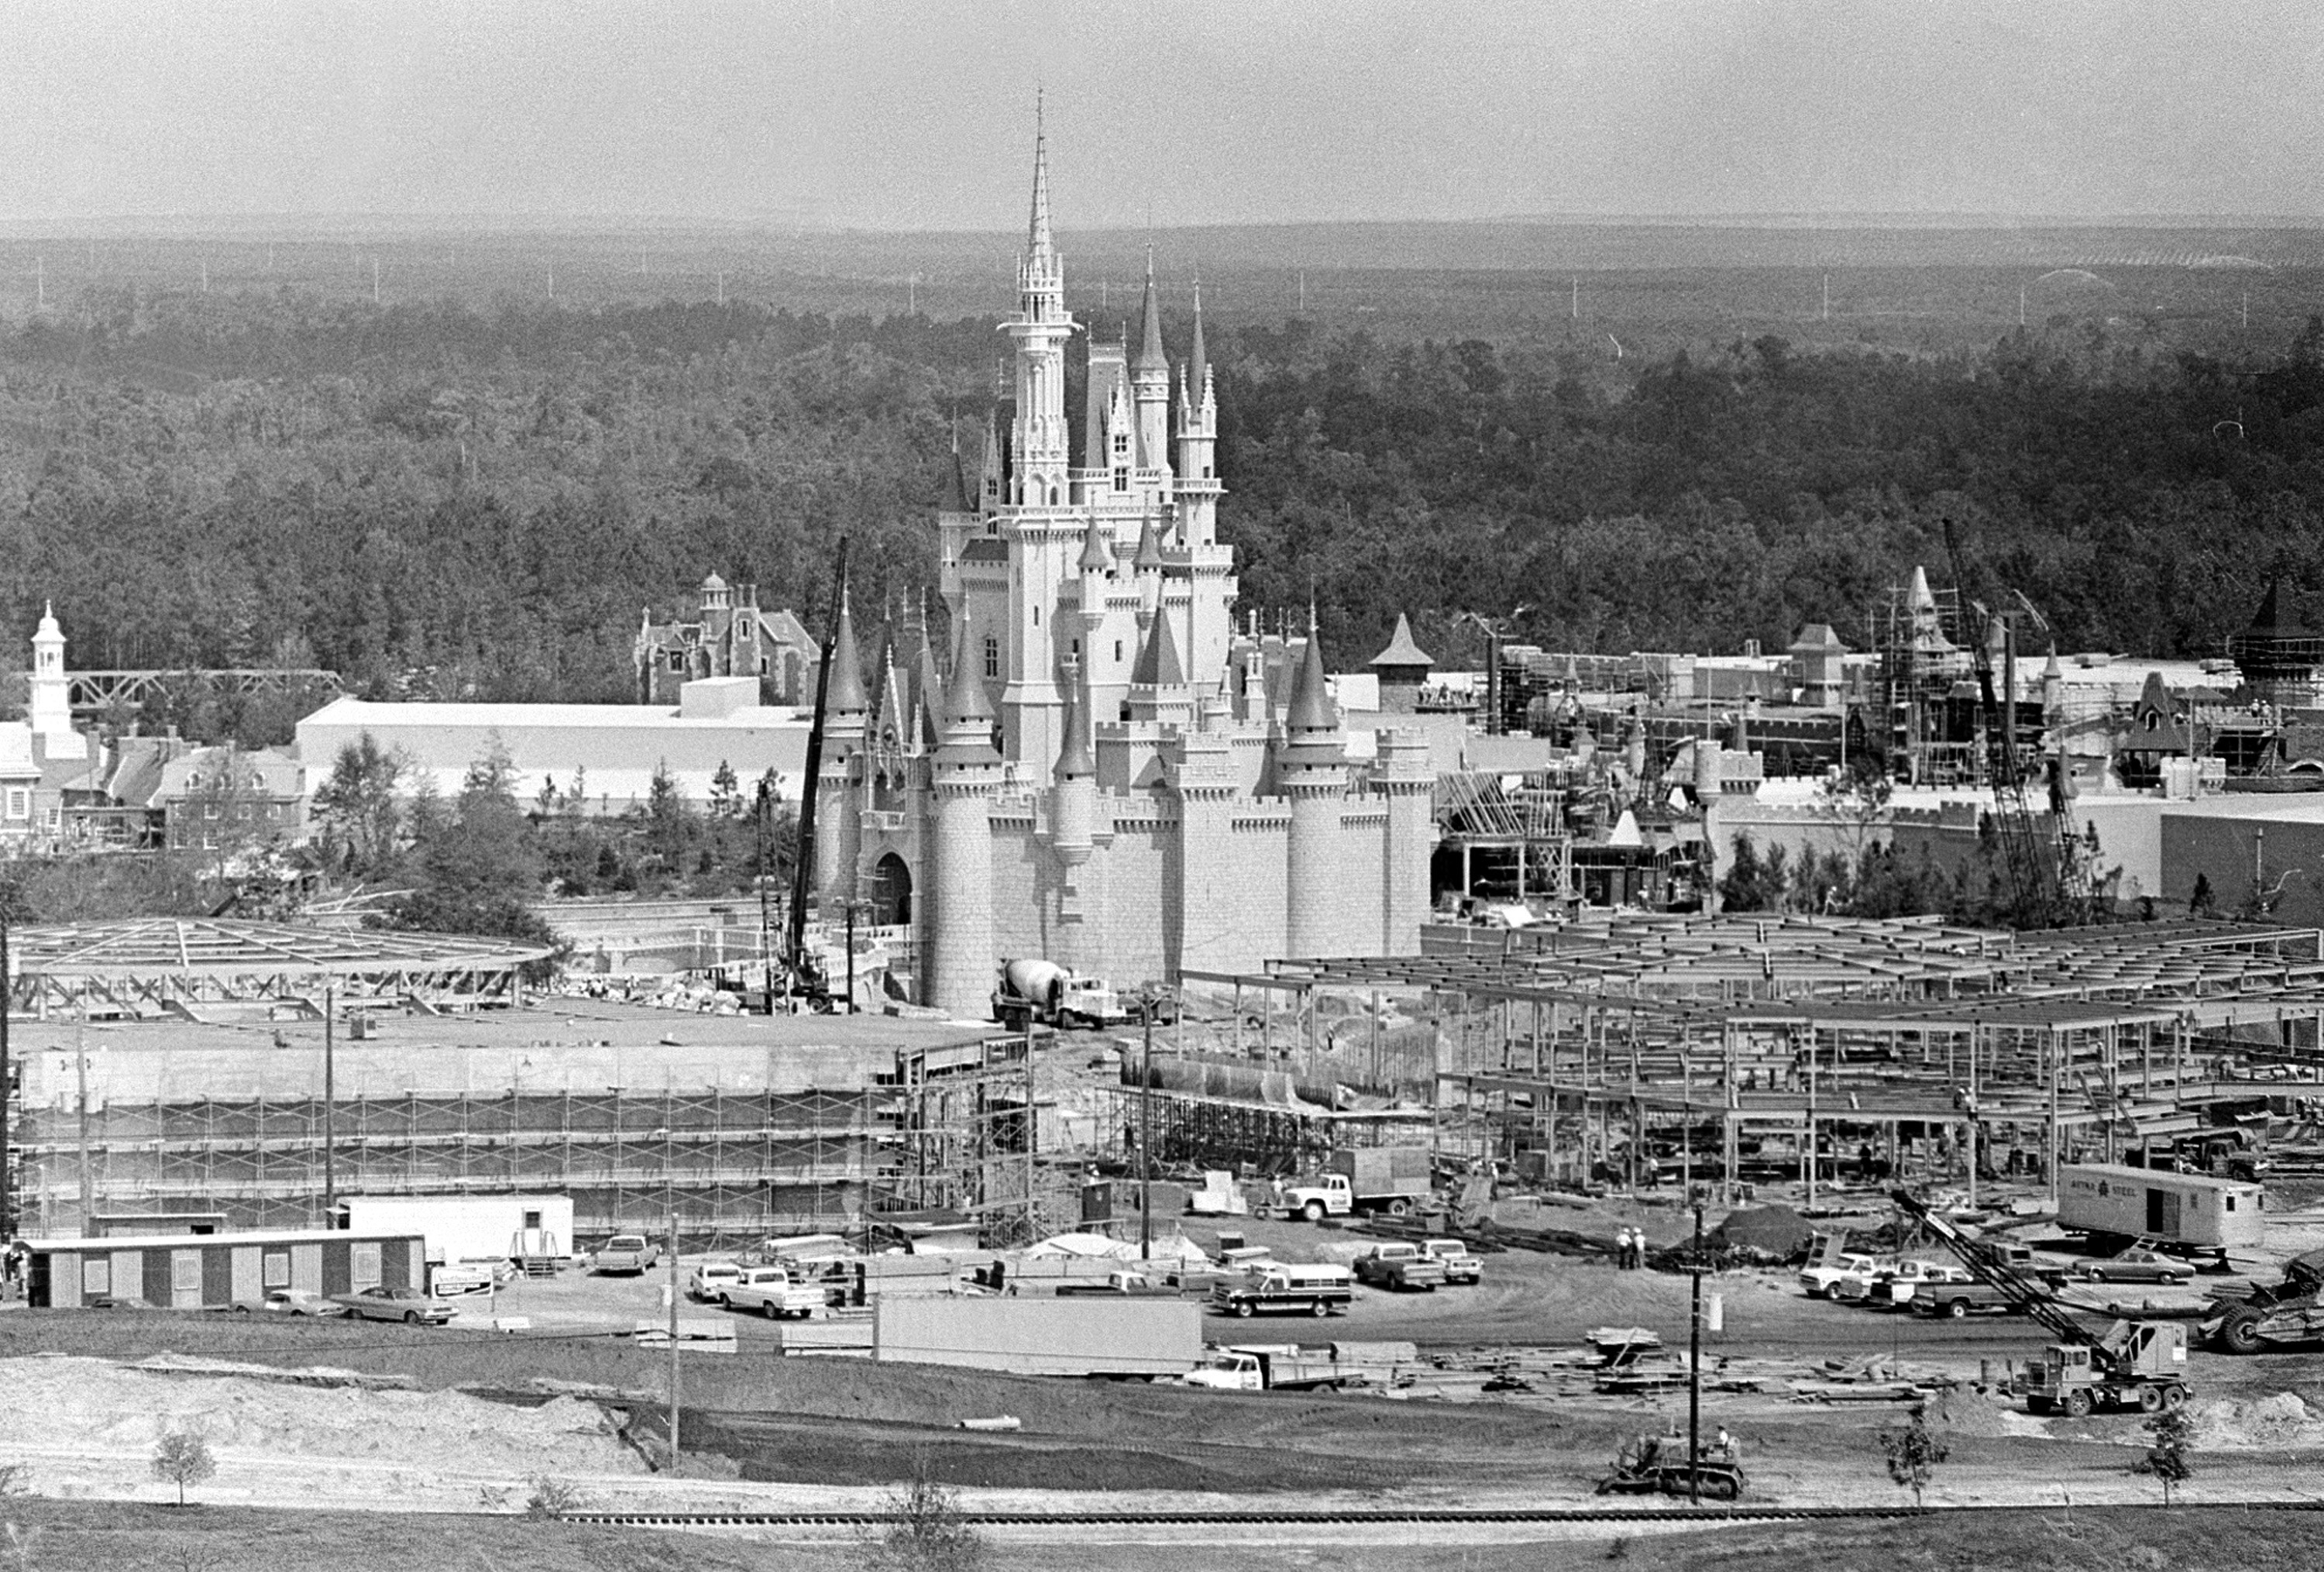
[
  {"x": 1821, "y": 1277},
  {"x": 1459, "y": 1265},
  {"x": 1117, "y": 1282},
  {"x": 707, "y": 1282},
  {"x": 1897, "y": 1289},
  {"x": 1256, "y": 1368},
  {"x": 1314, "y": 1291},
  {"x": 1399, "y": 1267},
  {"x": 773, "y": 1292},
  {"x": 629, "y": 1252},
  {"x": 1958, "y": 1300}
]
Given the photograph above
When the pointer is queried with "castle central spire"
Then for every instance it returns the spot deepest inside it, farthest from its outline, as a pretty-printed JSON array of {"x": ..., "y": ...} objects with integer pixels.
[{"x": 1038, "y": 240}]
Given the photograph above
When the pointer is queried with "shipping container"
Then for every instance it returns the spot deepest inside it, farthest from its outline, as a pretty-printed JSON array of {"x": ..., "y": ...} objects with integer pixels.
[
  {"x": 2110, "y": 1201},
  {"x": 217, "y": 1271},
  {"x": 1094, "y": 1335}
]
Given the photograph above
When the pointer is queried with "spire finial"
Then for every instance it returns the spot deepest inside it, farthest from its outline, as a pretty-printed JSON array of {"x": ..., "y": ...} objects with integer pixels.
[
  {"x": 1037, "y": 243},
  {"x": 1150, "y": 347},
  {"x": 1198, "y": 375}
]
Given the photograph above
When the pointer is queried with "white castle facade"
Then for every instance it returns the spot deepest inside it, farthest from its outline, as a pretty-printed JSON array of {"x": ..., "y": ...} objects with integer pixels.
[{"x": 1108, "y": 771}]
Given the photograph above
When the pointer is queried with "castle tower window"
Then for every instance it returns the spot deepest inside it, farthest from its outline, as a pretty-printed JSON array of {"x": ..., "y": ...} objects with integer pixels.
[{"x": 991, "y": 657}]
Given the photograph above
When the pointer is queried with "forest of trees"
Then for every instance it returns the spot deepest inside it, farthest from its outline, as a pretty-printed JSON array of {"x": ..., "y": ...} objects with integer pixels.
[{"x": 443, "y": 502}]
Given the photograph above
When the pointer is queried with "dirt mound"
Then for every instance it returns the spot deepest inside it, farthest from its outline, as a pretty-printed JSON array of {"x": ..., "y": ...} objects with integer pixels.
[
  {"x": 1965, "y": 1413},
  {"x": 2229, "y": 1424},
  {"x": 1777, "y": 1230},
  {"x": 107, "y": 1408}
]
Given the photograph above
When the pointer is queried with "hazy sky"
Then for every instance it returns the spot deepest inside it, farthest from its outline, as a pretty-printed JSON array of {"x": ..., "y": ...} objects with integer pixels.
[{"x": 919, "y": 115}]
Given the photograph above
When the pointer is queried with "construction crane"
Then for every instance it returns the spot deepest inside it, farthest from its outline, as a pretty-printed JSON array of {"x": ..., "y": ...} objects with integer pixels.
[
  {"x": 2037, "y": 894},
  {"x": 2139, "y": 1364},
  {"x": 802, "y": 975}
]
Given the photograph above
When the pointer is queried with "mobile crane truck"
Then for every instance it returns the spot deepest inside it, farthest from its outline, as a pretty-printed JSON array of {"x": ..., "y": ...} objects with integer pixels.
[{"x": 2133, "y": 1364}]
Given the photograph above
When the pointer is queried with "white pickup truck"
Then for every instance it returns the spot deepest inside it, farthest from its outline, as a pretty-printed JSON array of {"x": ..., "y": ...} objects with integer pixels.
[
  {"x": 773, "y": 1292},
  {"x": 1459, "y": 1265}
]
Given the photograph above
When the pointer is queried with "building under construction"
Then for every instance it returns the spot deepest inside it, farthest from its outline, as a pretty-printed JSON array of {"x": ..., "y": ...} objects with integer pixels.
[
  {"x": 257, "y": 1105},
  {"x": 1637, "y": 1049}
]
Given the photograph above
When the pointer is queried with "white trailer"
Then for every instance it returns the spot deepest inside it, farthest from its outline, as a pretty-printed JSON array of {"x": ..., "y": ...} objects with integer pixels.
[
  {"x": 2115, "y": 1202},
  {"x": 474, "y": 1229}
]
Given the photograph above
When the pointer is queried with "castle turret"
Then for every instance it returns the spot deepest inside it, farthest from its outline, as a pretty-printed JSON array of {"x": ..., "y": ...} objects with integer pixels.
[
  {"x": 838, "y": 832},
  {"x": 1041, "y": 441},
  {"x": 2053, "y": 690},
  {"x": 1402, "y": 668},
  {"x": 1197, "y": 483},
  {"x": 1311, "y": 770},
  {"x": 51, "y": 709},
  {"x": 1158, "y": 684},
  {"x": 1402, "y": 775},
  {"x": 957, "y": 943},
  {"x": 1149, "y": 381}
]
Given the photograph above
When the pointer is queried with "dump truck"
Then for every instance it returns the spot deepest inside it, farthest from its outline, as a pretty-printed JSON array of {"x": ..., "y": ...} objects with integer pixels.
[
  {"x": 1275, "y": 1367},
  {"x": 1043, "y": 993},
  {"x": 2289, "y": 1314},
  {"x": 1364, "y": 1179}
]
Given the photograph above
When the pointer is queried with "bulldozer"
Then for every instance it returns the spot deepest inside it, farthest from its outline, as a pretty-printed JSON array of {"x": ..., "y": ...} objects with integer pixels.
[
  {"x": 1652, "y": 1463},
  {"x": 2288, "y": 1315}
]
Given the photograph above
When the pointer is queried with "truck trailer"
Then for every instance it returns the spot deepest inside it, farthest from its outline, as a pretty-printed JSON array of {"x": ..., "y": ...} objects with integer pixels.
[
  {"x": 1117, "y": 1335},
  {"x": 2115, "y": 1205}
]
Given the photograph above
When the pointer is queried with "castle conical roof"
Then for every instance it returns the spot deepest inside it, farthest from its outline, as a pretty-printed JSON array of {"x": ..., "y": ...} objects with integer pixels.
[
  {"x": 1097, "y": 553},
  {"x": 1198, "y": 365},
  {"x": 843, "y": 692},
  {"x": 1076, "y": 760},
  {"x": 1158, "y": 665},
  {"x": 1149, "y": 339},
  {"x": 1036, "y": 232},
  {"x": 1311, "y": 696},
  {"x": 966, "y": 700},
  {"x": 1401, "y": 651},
  {"x": 1149, "y": 547}
]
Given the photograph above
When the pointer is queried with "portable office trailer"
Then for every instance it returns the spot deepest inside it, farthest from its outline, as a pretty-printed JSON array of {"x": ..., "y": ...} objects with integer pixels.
[
  {"x": 2111, "y": 1201},
  {"x": 216, "y": 1272},
  {"x": 476, "y": 1228}
]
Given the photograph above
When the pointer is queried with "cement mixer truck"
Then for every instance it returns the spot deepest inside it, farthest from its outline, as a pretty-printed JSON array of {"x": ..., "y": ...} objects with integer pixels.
[{"x": 1044, "y": 993}]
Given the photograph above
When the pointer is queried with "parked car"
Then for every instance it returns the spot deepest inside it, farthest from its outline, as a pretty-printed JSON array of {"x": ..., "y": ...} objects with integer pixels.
[
  {"x": 299, "y": 1301},
  {"x": 2139, "y": 1263},
  {"x": 709, "y": 1282},
  {"x": 1958, "y": 1300},
  {"x": 1460, "y": 1264},
  {"x": 1314, "y": 1290},
  {"x": 1873, "y": 1290},
  {"x": 773, "y": 1292},
  {"x": 1399, "y": 1266},
  {"x": 1819, "y": 1278},
  {"x": 629, "y": 1252},
  {"x": 408, "y": 1305},
  {"x": 117, "y": 1302}
]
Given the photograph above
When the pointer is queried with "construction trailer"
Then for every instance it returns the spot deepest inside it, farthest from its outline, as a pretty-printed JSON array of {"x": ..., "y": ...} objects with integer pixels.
[
  {"x": 473, "y": 1229},
  {"x": 1096, "y": 1335},
  {"x": 2115, "y": 1205},
  {"x": 217, "y": 1271}
]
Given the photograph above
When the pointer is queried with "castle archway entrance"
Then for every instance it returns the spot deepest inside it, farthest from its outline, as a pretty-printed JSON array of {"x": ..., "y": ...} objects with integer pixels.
[{"x": 891, "y": 891}]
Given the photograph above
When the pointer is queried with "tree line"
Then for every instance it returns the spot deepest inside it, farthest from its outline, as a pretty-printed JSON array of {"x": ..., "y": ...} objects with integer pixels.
[{"x": 438, "y": 500}]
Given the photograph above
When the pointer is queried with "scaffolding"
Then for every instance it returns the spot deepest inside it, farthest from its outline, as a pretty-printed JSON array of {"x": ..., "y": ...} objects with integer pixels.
[{"x": 949, "y": 1130}]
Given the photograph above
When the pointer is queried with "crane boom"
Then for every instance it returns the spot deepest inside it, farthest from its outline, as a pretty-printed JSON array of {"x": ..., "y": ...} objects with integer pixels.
[
  {"x": 1992, "y": 1269},
  {"x": 2033, "y": 875}
]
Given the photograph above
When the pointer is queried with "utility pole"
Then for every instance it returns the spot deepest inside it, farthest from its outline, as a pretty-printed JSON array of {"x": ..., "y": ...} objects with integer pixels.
[
  {"x": 673, "y": 1339},
  {"x": 330, "y": 1088},
  {"x": 7, "y": 1005},
  {"x": 1146, "y": 1000},
  {"x": 81, "y": 1068},
  {"x": 1694, "y": 1366},
  {"x": 851, "y": 961}
]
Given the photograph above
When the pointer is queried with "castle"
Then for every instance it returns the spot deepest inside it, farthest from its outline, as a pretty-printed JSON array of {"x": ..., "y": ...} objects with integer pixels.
[{"x": 1111, "y": 773}]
